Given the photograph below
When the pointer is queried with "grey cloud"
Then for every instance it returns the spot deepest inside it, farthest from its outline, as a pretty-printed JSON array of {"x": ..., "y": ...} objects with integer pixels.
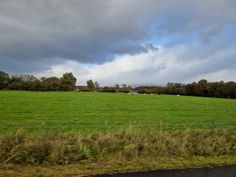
[
  {"x": 36, "y": 34},
  {"x": 86, "y": 31},
  {"x": 209, "y": 33},
  {"x": 14, "y": 66}
]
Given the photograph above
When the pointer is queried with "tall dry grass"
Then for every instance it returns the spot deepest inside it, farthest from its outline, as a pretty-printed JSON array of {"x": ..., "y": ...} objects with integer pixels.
[{"x": 20, "y": 148}]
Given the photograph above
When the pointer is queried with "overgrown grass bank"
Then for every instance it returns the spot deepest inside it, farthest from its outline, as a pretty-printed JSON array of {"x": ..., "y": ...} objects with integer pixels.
[
  {"x": 152, "y": 149},
  {"x": 23, "y": 149}
]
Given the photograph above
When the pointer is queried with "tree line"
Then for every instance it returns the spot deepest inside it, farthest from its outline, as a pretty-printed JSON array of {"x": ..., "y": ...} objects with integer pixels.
[
  {"x": 68, "y": 83},
  {"x": 94, "y": 86},
  {"x": 65, "y": 83},
  {"x": 202, "y": 88},
  {"x": 31, "y": 83}
]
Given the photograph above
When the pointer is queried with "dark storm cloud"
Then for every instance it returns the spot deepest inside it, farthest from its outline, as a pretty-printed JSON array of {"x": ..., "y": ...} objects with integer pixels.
[
  {"x": 86, "y": 31},
  {"x": 15, "y": 66}
]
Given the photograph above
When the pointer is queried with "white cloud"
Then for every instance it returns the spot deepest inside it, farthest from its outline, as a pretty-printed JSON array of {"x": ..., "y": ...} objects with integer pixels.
[
  {"x": 153, "y": 67},
  {"x": 220, "y": 75}
]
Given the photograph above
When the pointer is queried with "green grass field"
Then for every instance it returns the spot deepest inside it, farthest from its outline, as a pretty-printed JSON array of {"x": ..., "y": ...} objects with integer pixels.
[
  {"x": 38, "y": 112},
  {"x": 67, "y": 133}
]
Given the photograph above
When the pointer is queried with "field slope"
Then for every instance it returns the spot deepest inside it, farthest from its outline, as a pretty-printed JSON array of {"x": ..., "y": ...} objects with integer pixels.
[{"x": 37, "y": 112}]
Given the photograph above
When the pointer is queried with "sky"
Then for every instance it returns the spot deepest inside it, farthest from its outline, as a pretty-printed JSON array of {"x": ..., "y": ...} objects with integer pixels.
[{"x": 135, "y": 42}]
